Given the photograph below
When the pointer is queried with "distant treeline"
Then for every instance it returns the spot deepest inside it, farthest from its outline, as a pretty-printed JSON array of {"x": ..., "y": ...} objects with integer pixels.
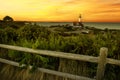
[{"x": 9, "y": 22}]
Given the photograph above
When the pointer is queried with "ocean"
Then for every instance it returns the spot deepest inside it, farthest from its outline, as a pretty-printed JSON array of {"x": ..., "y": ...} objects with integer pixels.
[{"x": 98, "y": 25}]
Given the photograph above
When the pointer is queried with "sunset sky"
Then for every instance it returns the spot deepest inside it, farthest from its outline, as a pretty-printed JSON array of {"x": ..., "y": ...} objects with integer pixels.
[{"x": 61, "y": 10}]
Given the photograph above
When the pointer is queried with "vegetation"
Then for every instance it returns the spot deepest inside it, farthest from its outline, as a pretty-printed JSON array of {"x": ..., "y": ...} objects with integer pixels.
[
  {"x": 7, "y": 18},
  {"x": 38, "y": 37}
]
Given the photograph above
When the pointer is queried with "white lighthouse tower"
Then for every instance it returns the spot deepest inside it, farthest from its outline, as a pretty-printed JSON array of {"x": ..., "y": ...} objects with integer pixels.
[{"x": 80, "y": 18}]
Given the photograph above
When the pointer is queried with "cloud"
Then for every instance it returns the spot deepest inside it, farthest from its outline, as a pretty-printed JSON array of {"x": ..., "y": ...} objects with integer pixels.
[
  {"x": 115, "y": 4},
  {"x": 110, "y": 11}
]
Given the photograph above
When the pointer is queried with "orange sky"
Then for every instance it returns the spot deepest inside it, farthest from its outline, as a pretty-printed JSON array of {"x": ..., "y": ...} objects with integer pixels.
[{"x": 61, "y": 10}]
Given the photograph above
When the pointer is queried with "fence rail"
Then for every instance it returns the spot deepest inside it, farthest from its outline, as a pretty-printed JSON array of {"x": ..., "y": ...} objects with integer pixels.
[
  {"x": 102, "y": 60},
  {"x": 48, "y": 71}
]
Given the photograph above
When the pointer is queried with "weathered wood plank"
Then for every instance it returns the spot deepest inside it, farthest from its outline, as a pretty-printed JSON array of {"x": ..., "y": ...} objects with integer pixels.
[
  {"x": 9, "y": 62},
  {"x": 60, "y": 54},
  {"x": 113, "y": 61},
  {"x": 101, "y": 63},
  {"x": 49, "y": 71},
  {"x": 53, "y": 53}
]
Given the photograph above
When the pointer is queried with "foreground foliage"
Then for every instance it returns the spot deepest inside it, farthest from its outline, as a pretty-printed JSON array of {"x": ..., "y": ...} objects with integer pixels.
[{"x": 38, "y": 37}]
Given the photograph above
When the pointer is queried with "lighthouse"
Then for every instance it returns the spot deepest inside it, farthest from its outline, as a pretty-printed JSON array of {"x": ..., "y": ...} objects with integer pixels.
[
  {"x": 78, "y": 23},
  {"x": 79, "y": 19}
]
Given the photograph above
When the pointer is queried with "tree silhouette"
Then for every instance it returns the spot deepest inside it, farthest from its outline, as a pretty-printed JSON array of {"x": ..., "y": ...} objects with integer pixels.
[{"x": 7, "y": 18}]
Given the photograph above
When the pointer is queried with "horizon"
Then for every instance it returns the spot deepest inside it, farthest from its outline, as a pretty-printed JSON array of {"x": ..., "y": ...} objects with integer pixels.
[
  {"x": 61, "y": 11},
  {"x": 62, "y": 21}
]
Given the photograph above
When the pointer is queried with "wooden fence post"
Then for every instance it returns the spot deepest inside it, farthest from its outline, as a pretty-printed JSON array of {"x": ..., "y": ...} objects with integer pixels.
[{"x": 101, "y": 63}]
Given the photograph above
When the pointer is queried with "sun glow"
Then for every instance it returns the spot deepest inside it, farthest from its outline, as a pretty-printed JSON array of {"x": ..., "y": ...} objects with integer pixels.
[{"x": 61, "y": 10}]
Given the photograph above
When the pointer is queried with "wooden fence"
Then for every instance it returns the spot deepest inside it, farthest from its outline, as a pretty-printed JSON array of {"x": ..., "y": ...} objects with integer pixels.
[{"x": 102, "y": 60}]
